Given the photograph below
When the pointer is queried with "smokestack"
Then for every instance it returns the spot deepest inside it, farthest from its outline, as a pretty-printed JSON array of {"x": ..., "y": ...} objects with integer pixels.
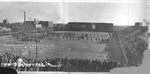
[
  {"x": 35, "y": 22},
  {"x": 24, "y": 16}
]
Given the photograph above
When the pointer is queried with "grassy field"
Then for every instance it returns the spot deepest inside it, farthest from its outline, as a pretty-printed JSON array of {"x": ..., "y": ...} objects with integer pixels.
[{"x": 53, "y": 48}]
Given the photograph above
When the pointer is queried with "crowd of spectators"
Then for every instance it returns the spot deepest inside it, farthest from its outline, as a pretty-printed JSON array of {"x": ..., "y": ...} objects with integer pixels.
[
  {"x": 86, "y": 65},
  {"x": 135, "y": 48},
  {"x": 58, "y": 64}
]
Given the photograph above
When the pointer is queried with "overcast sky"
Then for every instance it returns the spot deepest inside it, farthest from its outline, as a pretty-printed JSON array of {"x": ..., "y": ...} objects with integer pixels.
[
  {"x": 117, "y": 13},
  {"x": 13, "y": 11}
]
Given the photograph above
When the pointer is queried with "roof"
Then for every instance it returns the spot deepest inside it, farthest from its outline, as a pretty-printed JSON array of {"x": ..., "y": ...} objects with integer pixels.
[
  {"x": 87, "y": 23},
  {"x": 99, "y": 27}
]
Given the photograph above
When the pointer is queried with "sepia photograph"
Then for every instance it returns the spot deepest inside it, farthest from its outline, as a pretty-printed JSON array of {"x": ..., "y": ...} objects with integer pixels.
[{"x": 73, "y": 37}]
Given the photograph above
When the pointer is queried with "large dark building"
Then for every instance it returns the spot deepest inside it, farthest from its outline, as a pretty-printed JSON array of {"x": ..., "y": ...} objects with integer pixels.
[{"x": 86, "y": 26}]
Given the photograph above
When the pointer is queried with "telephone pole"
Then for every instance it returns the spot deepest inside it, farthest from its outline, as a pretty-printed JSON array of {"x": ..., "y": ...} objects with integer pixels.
[{"x": 36, "y": 39}]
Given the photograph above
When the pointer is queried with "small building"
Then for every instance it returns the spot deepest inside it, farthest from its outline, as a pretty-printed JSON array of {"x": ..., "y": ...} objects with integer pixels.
[
  {"x": 40, "y": 24},
  {"x": 138, "y": 23},
  {"x": 5, "y": 21},
  {"x": 51, "y": 24},
  {"x": 45, "y": 24}
]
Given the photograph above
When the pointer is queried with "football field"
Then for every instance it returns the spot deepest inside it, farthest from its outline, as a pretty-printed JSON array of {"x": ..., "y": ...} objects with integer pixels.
[{"x": 52, "y": 48}]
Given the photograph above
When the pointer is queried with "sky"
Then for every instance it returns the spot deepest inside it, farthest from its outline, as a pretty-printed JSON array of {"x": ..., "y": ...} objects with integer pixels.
[
  {"x": 119, "y": 13},
  {"x": 14, "y": 11}
]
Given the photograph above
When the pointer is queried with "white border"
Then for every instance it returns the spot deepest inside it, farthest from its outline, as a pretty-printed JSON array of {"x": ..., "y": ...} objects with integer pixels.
[{"x": 109, "y": 1}]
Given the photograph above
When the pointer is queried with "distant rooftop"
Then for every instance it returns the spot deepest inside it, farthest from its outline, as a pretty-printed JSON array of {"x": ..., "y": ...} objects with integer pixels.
[{"x": 89, "y": 26}]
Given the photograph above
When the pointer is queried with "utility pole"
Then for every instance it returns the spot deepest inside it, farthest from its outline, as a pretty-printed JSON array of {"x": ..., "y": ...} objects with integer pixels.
[{"x": 36, "y": 39}]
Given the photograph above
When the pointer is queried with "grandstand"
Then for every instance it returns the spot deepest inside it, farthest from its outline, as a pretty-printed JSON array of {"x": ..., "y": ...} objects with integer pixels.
[{"x": 131, "y": 31}]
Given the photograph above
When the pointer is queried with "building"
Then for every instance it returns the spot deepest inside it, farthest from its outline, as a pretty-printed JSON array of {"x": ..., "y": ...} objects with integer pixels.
[
  {"x": 92, "y": 32},
  {"x": 86, "y": 26},
  {"x": 45, "y": 24},
  {"x": 39, "y": 24},
  {"x": 58, "y": 27},
  {"x": 138, "y": 23},
  {"x": 51, "y": 25},
  {"x": 5, "y": 21}
]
